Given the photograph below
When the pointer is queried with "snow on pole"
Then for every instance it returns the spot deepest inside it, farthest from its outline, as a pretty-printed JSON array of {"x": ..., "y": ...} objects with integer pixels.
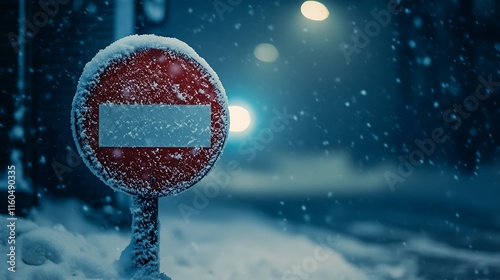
[
  {"x": 145, "y": 232},
  {"x": 149, "y": 118}
]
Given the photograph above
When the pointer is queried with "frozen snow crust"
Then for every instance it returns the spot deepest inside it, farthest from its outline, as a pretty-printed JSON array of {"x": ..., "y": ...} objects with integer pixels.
[
  {"x": 146, "y": 70},
  {"x": 62, "y": 245}
]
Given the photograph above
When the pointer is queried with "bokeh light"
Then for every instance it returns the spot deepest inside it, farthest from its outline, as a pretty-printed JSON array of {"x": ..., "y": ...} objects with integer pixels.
[
  {"x": 314, "y": 10},
  {"x": 240, "y": 119},
  {"x": 266, "y": 52}
]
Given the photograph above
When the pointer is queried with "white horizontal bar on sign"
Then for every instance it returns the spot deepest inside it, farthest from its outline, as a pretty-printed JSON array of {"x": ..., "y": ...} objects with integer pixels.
[{"x": 154, "y": 126}]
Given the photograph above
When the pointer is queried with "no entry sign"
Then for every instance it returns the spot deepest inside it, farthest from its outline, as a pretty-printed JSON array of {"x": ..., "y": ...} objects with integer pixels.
[{"x": 150, "y": 116}]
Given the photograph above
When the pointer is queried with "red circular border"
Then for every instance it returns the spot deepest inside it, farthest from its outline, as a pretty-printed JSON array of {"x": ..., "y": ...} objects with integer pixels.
[{"x": 151, "y": 76}]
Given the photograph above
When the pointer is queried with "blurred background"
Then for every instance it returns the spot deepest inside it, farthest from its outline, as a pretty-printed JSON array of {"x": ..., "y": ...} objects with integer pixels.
[{"x": 363, "y": 118}]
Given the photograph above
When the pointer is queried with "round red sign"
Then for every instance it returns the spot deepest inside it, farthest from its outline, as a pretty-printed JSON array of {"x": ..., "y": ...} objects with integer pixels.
[{"x": 150, "y": 116}]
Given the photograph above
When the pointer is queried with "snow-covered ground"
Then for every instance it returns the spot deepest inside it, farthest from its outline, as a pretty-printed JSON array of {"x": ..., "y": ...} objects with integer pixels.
[
  {"x": 57, "y": 241},
  {"x": 239, "y": 246}
]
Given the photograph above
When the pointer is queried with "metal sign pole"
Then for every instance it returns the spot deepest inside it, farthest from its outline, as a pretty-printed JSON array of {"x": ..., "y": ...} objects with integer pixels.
[{"x": 145, "y": 232}]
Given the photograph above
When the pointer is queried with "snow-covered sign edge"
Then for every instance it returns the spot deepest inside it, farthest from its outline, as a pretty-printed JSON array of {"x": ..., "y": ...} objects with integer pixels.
[{"x": 122, "y": 49}]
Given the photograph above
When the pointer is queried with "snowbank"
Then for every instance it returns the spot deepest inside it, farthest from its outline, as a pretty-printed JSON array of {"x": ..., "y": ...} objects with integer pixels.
[
  {"x": 242, "y": 246},
  {"x": 54, "y": 253}
]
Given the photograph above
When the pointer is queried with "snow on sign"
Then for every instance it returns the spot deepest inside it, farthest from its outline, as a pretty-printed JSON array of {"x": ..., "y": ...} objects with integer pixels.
[{"x": 149, "y": 116}]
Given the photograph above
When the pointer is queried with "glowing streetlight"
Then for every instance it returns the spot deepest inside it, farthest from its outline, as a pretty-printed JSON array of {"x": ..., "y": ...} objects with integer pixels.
[
  {"x": 314, "y": 10},
  {"x": 240, "y": 119}
]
